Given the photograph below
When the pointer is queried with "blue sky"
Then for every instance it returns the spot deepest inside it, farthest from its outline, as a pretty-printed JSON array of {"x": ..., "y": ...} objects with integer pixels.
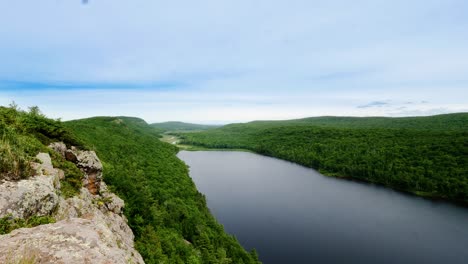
[{"x": 217, "y": 61}]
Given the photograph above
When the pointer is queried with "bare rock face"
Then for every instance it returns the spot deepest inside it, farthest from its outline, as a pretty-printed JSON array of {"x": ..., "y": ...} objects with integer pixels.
[
  {"x": 70, "y": 241},
  {"x": 59, "y": 147},
  {"x": 90, "y": 227},
  {"x": 34, "y": 196},
  {"x": 71, "y": 155},
  {"x": 87, "y": 161},
  {"x": 90, "y": 164},
  {"x": 97, "y": 210}
]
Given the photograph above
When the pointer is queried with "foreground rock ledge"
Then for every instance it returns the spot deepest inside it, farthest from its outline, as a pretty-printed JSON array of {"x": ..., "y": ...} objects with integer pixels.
[
  {"x": 90, "y": 227},
  {"x": 74, "y": 240}
]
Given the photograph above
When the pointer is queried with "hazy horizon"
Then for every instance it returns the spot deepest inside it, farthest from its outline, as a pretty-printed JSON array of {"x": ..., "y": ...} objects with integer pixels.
[
  {"x": 217, "y": 62},
  {"x": 221, "y": 123}
]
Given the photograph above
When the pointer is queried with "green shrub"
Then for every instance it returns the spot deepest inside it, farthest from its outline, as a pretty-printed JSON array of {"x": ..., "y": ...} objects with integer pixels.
[{"x": 8, "y": 223}]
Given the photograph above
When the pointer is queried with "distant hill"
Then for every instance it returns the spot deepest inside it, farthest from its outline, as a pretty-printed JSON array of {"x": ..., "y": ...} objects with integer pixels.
[
  {"x": 181, "y": 126},
  {"x": 456, "y": 121}
]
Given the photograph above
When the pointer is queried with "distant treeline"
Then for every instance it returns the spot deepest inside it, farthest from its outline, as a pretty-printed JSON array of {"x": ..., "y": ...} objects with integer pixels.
[
  {"x": 427, "y": 156},
  {"x": 181, "y": 126}
]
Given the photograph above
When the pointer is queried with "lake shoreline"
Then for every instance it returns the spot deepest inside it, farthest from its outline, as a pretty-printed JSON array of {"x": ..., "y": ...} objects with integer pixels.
[
  {"x": 427, "y": 196},
  {"x": 260, "y": 198}
]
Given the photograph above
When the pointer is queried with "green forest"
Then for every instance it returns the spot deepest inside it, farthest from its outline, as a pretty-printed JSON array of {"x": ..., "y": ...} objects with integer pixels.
[
  {"x": 169, "y": 217},
  {"x": 167, "y": 214},
  {"x": 181, "y": 126},
  {"x": 427, "y": 156}
]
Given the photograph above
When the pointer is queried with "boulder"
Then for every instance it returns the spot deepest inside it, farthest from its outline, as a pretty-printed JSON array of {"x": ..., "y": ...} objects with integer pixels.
[
  {"x": 71, "y": 155},
  {"x": 59, "y": 147},
  {"x": 97, "y": 209},
  {"x": 90, "y": 227},
  {"x": 89, "y": 163},
  {"x": 112, "y": 202},
  {"x": 70, "y": 241},
  {"x": 34, "y": 196}
]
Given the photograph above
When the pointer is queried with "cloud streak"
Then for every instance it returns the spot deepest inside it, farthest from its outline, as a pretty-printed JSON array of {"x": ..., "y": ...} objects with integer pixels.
[
  {"x": 300, "y": 57},
  {"x": 374, "y": 104}
]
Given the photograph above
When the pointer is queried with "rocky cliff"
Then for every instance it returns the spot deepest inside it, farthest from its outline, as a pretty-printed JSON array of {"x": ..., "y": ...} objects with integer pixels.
[{"x": 88, "y": 228}]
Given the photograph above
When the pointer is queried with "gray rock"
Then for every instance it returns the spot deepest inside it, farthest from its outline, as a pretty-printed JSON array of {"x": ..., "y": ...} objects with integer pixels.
[
  {"x": 34, "y": 196},
  {"x": 112, "y": 201},
  {"x": 90, "y": 229},
  {"x": 69, "y": 241},
  {"x": 59, "y": 147},
  {"x": 90, "y": 164},
  {"x": 71, "y": 155},
  {"x": 87, "y": 161},
  {"x": 96, "y": 209}
]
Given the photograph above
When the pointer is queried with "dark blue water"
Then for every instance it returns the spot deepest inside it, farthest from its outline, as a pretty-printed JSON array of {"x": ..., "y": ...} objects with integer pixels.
[{"x": 292, "y": 214}]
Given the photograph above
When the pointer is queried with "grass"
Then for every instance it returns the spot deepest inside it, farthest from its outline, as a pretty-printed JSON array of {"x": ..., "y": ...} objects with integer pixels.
[
  {"x": 23, "y": 135},
  {"x": 16, "y": 153},
  {"x": 8, "y": 223}
]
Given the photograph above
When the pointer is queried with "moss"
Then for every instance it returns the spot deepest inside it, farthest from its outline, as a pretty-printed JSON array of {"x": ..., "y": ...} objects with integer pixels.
[{"x": 72, "y": 182}]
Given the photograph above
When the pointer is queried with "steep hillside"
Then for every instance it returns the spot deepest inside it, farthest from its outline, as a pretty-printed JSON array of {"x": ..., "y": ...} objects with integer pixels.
[
  {"x": 168, "y": 215},
  {"x": 181, "y": 126},
  {"x": 427, "y": 156}
]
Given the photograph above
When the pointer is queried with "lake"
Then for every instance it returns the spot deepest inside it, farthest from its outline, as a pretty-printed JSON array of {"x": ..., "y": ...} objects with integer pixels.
[{"x": 293, "y": 214}]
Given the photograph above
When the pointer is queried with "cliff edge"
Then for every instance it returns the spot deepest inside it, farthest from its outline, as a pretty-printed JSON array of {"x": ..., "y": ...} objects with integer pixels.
[{"x": 87, "y": 228}]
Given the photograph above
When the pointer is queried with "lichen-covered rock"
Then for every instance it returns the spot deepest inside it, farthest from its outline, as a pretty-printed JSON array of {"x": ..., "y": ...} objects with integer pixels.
[
  {"x": 46, "y": 168},
  {"x": 71, "y": 155},
  {"x": 70, "y": 241},
  {"x": 103, "y": 210},
  {"x": 59, "y": 147},
  {"x": 90, "y": 164},
  {"x": 90, "y": 227},
  {"x": 34, "y": 196},
  {"x": 112, "y": 201},
  {"x": 87, "y": 161}
]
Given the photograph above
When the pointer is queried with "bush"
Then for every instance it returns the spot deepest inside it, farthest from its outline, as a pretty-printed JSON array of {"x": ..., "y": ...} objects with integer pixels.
[{"x": 8, "y": 223}]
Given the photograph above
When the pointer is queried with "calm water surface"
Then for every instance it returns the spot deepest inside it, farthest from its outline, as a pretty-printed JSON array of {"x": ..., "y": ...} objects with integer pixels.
[{"x": 292, "y": 214}]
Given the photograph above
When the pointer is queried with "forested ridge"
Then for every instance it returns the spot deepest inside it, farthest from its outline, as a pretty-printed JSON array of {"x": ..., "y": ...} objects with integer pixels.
[
  {"x": 169, "y": 217},
  {"x": 181, "y": 126},
  {"x": 427, "y": 156}
]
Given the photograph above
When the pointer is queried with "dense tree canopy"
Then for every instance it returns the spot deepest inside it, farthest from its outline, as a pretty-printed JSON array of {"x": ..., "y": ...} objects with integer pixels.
[
  {"x": 427, "y": 156},
  {"x": 169, "y": 217}
]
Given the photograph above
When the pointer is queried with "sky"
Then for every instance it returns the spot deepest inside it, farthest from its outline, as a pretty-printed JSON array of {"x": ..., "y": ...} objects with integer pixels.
[{"x": 211, "y": 61}]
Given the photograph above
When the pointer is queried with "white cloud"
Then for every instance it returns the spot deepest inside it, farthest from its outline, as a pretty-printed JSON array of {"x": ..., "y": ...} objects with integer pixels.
[
  {"x": 237, "y": 59},
  {"x": 215, "y": 107}
]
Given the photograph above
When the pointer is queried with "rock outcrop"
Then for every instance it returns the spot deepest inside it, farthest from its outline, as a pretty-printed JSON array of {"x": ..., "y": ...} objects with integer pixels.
[
  {"x": 90, "y": 164},
  {"x": 90, "y": 227},
  {"x": 74, "y": 240},
  {"x": 87, "y": 161}
]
